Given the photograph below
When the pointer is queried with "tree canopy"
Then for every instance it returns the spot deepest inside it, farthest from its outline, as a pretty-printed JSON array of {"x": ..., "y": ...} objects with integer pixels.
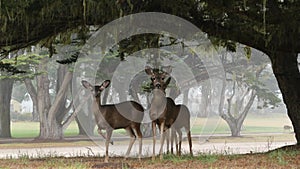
[
  {"x": 265, "y": 25},
  {"x": 271, "y": 26}
]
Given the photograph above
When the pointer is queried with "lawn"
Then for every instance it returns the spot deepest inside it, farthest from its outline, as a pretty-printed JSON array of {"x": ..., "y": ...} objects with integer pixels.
[
  {"x": 211, "y": 125},
  {"x": 252, "y": 125},
  {"x": 25, "y": 129},
  {"x": 287, "y": 158}
]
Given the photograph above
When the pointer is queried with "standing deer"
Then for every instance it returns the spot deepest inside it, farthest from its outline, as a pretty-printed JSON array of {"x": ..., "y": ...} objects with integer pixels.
[
  {"x": 183, "y": 121},
  {"x": 127, "y": 115},
  {"x": 164, "y": 112}
]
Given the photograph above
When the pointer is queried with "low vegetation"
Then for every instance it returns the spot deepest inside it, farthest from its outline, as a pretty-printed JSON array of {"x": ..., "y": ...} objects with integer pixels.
[
  {"x": 211, "y": 125},
  {"x": 281, "y": 158}
]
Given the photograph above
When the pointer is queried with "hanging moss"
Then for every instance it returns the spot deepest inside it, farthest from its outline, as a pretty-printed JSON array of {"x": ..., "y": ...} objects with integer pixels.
[{"x": 266, "y": 24}]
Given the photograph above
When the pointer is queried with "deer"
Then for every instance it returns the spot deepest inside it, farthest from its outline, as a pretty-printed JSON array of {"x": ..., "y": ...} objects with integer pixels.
[
  {"x": 182, "y": 121},
  {"x": 164, "y": 112},
  {"x": 126, "y": 115}
]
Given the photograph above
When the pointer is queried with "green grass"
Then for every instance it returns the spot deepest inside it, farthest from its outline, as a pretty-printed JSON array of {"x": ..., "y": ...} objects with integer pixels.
[
  {"x": 211, "y": 125},
  {"x": 274, "y": 159},
  {"x": 24, "y": 129},
  {"x": 252, "y": 124}
]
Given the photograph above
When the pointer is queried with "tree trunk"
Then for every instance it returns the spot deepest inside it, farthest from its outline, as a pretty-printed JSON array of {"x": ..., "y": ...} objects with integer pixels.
[
  {"x": 85, "y": 121},
  {"x": 185, "y": 100},
  {"x": 235, "y": 127},
  {"x": 6, "y": 86},
  {"x": 206, "y": 99},
  {"x": 54, "y": 119},
  {"x": 62, "y": 74},
  {"x": 286, "y": 71},
  {"x": 43, "y": 104},
  {"x": 33, "y": 95},
  {"x": 235, "y": 120}
]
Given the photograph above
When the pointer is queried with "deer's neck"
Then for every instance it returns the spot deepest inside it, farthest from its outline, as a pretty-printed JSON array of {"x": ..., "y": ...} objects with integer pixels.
[
  {"x": 158, "y": 95},
  {"x": 158, "y": 104},
  {"x": 99, "y": 113},
  {"x": 97, "y": 104}
]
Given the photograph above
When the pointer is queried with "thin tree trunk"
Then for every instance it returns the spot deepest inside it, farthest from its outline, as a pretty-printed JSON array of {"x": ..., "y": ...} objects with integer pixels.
[
  {"x": 206, "y": 99},
  {"x": 6, "y": 86},
  {"x": 43, "y": 105},
  {"x": 55, "y": 127},
  {"x": 33, "y": 95},
  {"x": 286, "y": 71}
]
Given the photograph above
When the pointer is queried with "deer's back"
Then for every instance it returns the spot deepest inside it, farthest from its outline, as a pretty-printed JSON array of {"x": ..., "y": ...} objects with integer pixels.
[
  {"x": 183, "y": 118},
  {"x": 122, "y": 114},
  {"x": 171, "y": 113}
]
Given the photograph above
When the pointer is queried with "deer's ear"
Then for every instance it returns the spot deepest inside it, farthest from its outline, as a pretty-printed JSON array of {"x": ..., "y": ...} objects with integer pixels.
[
  {"x": 148, "y": 70},
  {"x": 106, "y": 83},
  {"x": 86, "y": 84},
  {"x": 167, "y": 82}
]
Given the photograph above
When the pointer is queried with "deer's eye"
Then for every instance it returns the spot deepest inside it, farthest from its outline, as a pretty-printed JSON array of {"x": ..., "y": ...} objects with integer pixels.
[
  {"x": 162, "y": 78},
  {"x": 153, "y": 78}
]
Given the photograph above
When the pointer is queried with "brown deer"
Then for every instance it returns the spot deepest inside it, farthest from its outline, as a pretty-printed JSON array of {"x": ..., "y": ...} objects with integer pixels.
[
  {"x": 164, "y": 111},
  {"x": 127, "y": 115},
  {"x": 182, "y": 121}
]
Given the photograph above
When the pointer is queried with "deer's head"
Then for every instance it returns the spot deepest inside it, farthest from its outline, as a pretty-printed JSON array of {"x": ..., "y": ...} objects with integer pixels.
[
  {"x": 160, "y": 78},
  {"x": 97, "y": 89}
]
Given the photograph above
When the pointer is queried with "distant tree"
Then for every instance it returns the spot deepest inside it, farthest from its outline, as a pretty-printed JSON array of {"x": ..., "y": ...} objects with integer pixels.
[
  {"x": 6, "y": 86},
  {"x": 240, "y": 87},
  {"x": 7, "y": 79}
]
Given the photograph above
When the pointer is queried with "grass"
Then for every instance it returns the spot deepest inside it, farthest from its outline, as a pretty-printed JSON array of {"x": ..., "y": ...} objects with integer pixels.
[
  {"x": 252, "y": 124},
  {"x": 26, "y": 129},
  {"x": 211, "y": 125},
  {"x": 276, "y": 159}
]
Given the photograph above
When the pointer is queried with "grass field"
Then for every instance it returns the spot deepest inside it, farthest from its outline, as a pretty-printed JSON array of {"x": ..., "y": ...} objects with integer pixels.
[
  {"x": 211, "y": 125},
  {"x": 22, "y": 129},
  {"x": 253, "y": 125},
  {"x": 287, "y": 158}
]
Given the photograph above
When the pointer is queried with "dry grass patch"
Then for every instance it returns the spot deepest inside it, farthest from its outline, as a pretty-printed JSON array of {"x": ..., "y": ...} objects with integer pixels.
[{"x": 287, "y": 157}]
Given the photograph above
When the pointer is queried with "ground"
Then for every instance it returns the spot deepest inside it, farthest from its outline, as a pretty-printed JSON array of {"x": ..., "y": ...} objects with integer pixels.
[
  {"x": 287, "y": 157},
  {"x": 280, "y": 158}
]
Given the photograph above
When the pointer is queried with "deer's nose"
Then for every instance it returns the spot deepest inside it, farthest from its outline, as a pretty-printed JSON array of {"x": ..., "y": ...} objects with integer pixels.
[{"x": 158, "y": 86}]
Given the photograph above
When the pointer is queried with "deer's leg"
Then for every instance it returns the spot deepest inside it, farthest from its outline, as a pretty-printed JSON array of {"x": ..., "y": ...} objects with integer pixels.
[
  {"x": 132, "y": 139},
  {"x": 101, "y": 134},
  {"x": 154, "y": 137},
  {"x": 167, "y": 136},
  {"x": 108, "y": 137},
  {"x": 173, "y": 135},
  {"x": 140, "y": 136},
  {"x": 190, "y": 141},
  {"x": 180, "y": 141},
  {"x": 162, "y": 139}
]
